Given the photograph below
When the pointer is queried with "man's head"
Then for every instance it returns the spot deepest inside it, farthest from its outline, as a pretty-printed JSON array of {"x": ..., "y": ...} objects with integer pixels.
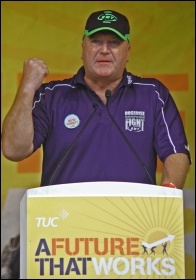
[
  {"x": 108, "y": 20},
  {"x": 105, "y": 46}
]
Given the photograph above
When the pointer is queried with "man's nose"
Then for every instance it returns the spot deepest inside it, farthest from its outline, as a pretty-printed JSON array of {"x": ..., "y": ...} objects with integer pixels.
[{"x": 105, "y": 47}]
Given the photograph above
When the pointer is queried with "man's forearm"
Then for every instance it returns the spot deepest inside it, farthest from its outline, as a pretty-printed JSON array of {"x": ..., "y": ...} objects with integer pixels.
[
  {"x": 175, "y": 169},
  {"x": 18, "y": 131}
]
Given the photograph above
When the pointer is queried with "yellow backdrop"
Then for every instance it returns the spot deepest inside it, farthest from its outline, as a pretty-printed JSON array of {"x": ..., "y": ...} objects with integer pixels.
[{"x": 162, "y": 40}]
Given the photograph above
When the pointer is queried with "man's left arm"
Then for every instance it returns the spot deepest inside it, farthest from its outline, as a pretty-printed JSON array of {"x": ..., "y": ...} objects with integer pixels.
[{"x": 175, "y": 169}]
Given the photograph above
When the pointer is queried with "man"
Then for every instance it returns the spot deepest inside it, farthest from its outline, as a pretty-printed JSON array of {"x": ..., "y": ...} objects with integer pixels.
[{"x": 104, "y": 124}]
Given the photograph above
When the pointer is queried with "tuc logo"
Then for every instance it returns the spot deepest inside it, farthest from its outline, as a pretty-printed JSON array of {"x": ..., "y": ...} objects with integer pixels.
[
  {"x": 51, "y": 221},
  {"x": 47, "y": 222}
]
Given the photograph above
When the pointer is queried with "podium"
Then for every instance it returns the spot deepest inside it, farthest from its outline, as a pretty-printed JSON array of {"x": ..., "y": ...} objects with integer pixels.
[{"x": 102, "y": 230}]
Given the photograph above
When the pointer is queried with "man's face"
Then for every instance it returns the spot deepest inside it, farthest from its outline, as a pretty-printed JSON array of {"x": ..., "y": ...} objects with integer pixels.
[{"x": 104, "y": 55}]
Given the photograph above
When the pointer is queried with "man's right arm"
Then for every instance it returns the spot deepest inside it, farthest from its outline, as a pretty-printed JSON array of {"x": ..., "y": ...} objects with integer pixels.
[{"x": 18, "y": 129}]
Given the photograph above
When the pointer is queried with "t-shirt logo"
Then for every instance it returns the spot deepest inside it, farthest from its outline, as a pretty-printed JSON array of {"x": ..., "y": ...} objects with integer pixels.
[{"x": 134, "y": 121}]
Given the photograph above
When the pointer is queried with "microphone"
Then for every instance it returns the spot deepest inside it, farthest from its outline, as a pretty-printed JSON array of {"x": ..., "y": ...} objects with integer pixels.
[
  {"x": 108, "y": 95},
  {"x": 95, "y": 106}
]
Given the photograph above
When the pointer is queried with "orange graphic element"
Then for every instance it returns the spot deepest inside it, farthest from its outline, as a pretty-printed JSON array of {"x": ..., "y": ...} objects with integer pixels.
[
  {"x": 51, "y": 77},
  {"x": 56, "y": 77},
  {"x": 176, "y": 82},
  {"x": 31, "y": 164},
  {"x": 172, "y": 81}
]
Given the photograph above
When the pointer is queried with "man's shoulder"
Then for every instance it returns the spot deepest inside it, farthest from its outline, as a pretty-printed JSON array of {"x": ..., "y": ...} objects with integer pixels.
[
  {"x": 56, "y": 84},
  {"x": 69, "y": 82},
  {"x": 145, "y": 80}
]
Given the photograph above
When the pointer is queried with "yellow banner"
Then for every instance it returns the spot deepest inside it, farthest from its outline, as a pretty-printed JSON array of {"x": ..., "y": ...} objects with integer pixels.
[{"x": 105, "y": 237}]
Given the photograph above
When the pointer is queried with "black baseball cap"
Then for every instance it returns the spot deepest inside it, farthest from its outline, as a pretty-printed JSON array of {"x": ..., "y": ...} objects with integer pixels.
[{"x": 108, "y": 20}]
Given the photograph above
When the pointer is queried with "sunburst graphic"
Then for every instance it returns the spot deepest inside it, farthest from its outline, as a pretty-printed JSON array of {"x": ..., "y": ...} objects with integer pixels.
[{"x": 157, "y": 221}]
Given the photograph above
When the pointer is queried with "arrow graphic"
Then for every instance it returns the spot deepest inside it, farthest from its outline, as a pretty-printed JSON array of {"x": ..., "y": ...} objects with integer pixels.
[{"x": 158, "y": 242}]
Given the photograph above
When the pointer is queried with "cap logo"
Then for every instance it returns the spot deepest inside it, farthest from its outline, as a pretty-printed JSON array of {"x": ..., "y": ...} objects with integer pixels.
[{"x": 107, "y": 17}]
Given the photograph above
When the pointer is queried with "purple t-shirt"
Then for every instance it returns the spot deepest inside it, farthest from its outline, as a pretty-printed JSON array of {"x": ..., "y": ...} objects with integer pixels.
[{"x": 81, "y": 142}]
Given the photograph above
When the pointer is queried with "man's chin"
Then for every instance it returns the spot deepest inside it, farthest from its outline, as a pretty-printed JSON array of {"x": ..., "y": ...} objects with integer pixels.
[{"x": 104, "y": 73}]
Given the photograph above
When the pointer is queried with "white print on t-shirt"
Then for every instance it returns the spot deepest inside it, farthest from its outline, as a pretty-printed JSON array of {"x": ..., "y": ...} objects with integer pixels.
[{"x": 134, "y": 120}]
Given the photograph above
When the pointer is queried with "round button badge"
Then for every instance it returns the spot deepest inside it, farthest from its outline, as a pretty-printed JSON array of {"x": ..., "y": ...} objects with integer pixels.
[{"x": 71, "y": 121}]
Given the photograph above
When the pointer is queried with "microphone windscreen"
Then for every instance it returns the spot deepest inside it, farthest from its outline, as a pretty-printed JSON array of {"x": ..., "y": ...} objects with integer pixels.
[{"x": 108, "y": 93}]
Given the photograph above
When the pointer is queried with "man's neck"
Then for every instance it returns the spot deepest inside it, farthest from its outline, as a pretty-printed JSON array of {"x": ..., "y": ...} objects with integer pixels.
[{"x": 100, "y": 86}]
